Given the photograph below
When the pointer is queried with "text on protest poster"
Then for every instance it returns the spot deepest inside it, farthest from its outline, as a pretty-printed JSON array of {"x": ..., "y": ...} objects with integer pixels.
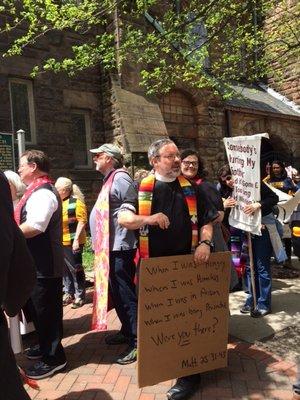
[{"x": 243, "y": 153}]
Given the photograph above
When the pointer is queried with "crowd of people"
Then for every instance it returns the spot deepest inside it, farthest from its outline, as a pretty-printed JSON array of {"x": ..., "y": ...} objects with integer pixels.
[{"x": 131, "y": 219}]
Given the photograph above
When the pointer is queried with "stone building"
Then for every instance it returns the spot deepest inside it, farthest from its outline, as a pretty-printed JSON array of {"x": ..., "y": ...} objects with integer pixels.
[
  {"x": 60, "y": 115},
  {"x": 288, "y": 77},
  {"x": 67, "y": 116}
]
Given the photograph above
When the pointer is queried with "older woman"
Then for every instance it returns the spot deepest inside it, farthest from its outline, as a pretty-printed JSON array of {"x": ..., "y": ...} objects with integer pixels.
[
  {"x": 17, "y": 187},
  {"x": 74, "y": 237}
]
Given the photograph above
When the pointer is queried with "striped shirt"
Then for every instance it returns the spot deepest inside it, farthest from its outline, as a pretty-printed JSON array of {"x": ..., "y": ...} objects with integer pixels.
[{"x": 73, "y": 211}]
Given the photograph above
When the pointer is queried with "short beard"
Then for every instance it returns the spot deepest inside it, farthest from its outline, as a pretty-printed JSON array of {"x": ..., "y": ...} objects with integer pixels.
[{"x": 174, "y": 174}]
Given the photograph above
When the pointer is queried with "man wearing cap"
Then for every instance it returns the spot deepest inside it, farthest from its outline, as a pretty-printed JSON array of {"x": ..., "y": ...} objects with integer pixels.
[{"x": 115, "y": 248}]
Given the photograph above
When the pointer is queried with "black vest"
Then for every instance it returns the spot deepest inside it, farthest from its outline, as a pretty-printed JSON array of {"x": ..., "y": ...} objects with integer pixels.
[{"x": 46, "y": 248}]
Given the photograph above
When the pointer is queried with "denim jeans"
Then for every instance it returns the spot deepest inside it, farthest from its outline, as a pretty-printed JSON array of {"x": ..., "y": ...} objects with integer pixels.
[
  {"x": 123, "y": 292},
  {"x": 262, "y": 251},
  {"x": 74, "y": 277}
]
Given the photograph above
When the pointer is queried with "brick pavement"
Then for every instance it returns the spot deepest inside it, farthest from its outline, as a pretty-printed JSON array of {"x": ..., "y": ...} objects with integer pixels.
[{"x": 252, "y": 373}]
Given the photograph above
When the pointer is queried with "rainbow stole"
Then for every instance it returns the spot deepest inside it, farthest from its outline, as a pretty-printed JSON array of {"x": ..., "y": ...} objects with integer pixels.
[{"x": 145, "y": 197}]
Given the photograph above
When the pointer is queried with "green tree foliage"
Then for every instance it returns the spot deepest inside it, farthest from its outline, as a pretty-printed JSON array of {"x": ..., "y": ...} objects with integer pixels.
[{"x": 203, "y": 43}]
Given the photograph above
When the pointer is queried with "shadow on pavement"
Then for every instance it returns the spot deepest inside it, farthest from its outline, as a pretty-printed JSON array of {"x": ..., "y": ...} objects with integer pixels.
[{"x": 89, "y": 394}]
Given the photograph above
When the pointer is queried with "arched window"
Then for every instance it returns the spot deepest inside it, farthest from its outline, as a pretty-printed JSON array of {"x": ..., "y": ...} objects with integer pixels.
[{"x": 179, "y": 116}]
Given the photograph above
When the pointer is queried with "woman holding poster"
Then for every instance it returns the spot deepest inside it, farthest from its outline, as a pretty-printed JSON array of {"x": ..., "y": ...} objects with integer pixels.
[
  {"x": 262, "y": 251},
  {"x": 253, "y": 214},
  {"x": 237, "y": 241}
]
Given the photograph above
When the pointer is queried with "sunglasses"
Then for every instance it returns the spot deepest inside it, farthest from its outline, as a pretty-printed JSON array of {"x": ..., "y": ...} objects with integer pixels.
[{"x": 226, "y": 178}]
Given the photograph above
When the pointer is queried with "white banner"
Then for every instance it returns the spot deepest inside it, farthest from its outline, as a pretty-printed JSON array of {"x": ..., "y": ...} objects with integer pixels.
[
  {"x": 243, "y": 153},
  {"x": 286, "y": 204}
]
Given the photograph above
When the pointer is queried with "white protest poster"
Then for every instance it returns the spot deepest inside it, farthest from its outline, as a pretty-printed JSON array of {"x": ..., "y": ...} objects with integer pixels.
[
  {"x": 286, "y": 204},
  {"x": 243, "y": 153}
]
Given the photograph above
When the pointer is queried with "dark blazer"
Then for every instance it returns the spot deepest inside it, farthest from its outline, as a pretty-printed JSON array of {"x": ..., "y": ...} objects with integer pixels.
[
  {"x": 17, "y": 272},
  {"x": 17, "y": 279}
]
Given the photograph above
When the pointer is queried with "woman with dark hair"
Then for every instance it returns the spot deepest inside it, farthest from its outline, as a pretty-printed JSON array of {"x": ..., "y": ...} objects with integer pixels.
[
  {"x": 279, "y": 179},
  {"x": 192, "y": 168},
  {"x": 261, "y": 246},
  {"x": 237, "y": 240}
]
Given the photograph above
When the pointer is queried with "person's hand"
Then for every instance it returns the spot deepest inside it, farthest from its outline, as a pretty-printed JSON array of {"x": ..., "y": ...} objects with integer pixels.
[
  {"x": 202, "y": 253},
  {"x": 159, "y": 219},
  {"x": 251, "y": 208},
  {"x": 229, "y": 202},
  {"x": 75, "y": 245}
]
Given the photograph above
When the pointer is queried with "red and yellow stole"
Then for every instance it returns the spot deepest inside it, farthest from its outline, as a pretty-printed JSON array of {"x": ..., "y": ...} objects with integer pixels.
[{"x": 145, "y": 197}]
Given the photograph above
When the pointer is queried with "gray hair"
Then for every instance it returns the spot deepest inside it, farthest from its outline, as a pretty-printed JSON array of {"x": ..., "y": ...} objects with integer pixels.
[
  {"x": 14, "y": 179},
  {"x": 154, "y": 148},
  {"x": 116, "y": 163},
  {"x": 66, "y": 183}
]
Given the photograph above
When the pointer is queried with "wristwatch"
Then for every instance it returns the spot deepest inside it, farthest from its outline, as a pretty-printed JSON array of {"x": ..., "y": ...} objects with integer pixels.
[{"x": 207, "y": 242}]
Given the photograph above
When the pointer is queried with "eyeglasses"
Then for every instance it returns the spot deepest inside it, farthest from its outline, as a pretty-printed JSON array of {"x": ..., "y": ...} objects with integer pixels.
[
  {"x": 170, "y": 157},
  {"x": 187, "y": 163},
  {"x": 226, "y": 178}
]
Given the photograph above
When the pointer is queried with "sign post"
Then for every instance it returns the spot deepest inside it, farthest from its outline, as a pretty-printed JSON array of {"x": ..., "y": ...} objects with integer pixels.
[{"x": 21, "y": 142}]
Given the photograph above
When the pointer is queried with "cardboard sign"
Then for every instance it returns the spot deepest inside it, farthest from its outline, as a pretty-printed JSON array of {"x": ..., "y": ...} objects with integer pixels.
[{"x": 182, "y": 316}]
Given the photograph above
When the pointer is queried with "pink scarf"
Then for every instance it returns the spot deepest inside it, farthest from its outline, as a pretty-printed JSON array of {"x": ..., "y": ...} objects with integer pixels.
[
  {"x": 101, "y": 261},
  {"x": 30, "y": 189}
]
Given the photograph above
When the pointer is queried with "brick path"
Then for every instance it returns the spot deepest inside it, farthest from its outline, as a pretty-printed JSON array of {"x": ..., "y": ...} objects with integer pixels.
[{"x": 252, "y": 373}]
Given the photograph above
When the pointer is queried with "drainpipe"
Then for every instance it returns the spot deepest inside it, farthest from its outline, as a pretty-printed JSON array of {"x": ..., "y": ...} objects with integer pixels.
[{"x": 228, "y": 123}]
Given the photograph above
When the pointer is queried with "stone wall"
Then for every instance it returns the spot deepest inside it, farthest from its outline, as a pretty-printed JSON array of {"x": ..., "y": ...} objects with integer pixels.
[
  {"x": 285, "y": 80},
  {"x": 283, "y": 132},
  {"x": 195, "y": 119},
  {"x": 56, "y": 96}
]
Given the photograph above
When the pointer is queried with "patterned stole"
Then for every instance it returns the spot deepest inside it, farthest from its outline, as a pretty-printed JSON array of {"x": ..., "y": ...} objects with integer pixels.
[
  {"x": 101, "y": 260},
  {"x": 145, "y": 197},
  {"x": 72, "y": 221}
]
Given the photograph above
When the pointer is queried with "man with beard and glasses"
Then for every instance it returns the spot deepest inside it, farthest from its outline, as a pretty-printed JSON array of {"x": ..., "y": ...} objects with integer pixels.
[{"x": 174, "y": 217}]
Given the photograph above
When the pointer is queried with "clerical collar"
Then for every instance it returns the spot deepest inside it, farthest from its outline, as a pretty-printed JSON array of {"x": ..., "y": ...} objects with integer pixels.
[{"x": 163, "y": 178}]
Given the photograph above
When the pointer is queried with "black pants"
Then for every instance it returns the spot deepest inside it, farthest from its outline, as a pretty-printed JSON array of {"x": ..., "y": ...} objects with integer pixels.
[
  {"x": 11, "y": 386},
  {"x": 47, "y": 318},
  {"x": 122, "y": 291}
]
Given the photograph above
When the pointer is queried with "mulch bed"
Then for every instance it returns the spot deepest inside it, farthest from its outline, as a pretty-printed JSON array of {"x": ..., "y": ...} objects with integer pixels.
[
  {"x": 285, "y": 344},
  {"x": 281, "y": 272}
]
